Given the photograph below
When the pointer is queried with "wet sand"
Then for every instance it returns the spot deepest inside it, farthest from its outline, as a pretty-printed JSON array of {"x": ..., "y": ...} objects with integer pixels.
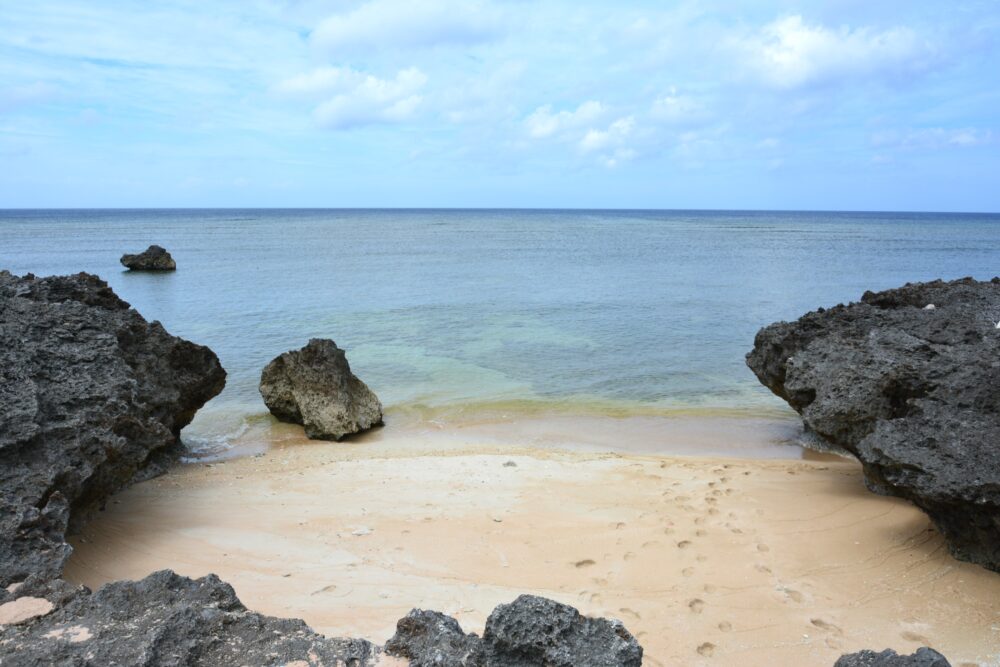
[{"x": 723, "y": 561}]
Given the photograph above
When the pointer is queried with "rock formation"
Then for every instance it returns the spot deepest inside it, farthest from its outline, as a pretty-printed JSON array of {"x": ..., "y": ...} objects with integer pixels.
[
  {"x": 913, "y": 392},
  {"x": 923, "y": 657},
  {"x": 529, "y": 631},
  {"x": 153, "y": 258},
  {"x": 315, "y": 387},
  {"x": 92, "y": 397},
  {"x": 166, "y": 619}
]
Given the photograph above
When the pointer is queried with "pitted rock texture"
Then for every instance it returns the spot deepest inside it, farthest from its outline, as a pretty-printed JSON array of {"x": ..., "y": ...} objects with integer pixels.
[
  {"x": 153, "y": 258},
  {"x": 166, "y": 620},
  {"x": 92, "y": 398},
  {"x": 923, "y": 657},
  {"x": 912, "y": 391},
  {"x": 528, "y": 632},
  {"x": 315, "y": 387}
]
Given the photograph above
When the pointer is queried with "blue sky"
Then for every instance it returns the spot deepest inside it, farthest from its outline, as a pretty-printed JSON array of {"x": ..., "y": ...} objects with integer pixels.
[{"x": 845, "y": 104}]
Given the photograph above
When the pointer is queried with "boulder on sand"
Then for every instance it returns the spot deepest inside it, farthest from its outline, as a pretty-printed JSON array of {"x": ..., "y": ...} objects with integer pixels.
[
  {"x": 153, "y": 258},
  {"x": 529, "y": 631},
  {"x": 92, "y": 397},
  {"x": 922, "y": 657},
  {"x": 913, "y": 392},
  {"x": 315, "y": 387},
  {"x": 166, "y": 619}
]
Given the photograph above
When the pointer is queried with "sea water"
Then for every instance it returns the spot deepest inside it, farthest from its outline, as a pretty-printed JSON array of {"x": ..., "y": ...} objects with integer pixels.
[{"x": 460, "y": 314}]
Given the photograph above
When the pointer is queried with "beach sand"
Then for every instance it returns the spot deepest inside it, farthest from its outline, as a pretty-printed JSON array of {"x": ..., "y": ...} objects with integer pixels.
[{"x": 713, "y": 561}]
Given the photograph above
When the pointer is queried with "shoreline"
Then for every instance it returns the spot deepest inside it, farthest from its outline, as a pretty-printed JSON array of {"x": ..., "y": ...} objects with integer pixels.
[
  {"x": 740, "y": 434},
  {"x": 705, "y": 559}
]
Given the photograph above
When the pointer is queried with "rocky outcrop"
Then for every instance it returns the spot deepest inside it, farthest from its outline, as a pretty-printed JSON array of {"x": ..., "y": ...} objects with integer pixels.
[
  {"x": 169, "y": 620},
  {"x": 92, "y": 397},
  {"x": 153, "y": 258},
  {"x": 923, "y": 657},
  {"x": 315, "y": 387},
  {"x": 911, "y": 390},
  {"x": 529, "y": 631}
]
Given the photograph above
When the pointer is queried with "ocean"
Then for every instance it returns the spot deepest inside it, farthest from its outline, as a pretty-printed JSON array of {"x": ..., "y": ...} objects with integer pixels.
[{"x": 454, "y": 315}]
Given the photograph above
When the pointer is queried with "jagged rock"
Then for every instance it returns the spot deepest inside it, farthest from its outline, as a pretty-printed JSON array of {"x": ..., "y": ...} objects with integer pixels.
[
  {"x": 92, "y": 398},
  {"x": 167, "y": 620},
  {"x": 528, "y": 632},
  {"x": 912, "y": 392},
  {"x": 153, "y": 258},
  {"x": 923, "y": 657},
  {"x": 315, "y": 387}
]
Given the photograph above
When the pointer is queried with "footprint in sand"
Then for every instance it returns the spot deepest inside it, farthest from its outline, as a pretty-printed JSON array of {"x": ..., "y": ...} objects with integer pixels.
[
  {"x": 583, "y": 563},
  {"x": 707, "y": 649},
  {"x": 629, "y": 612},
  {"x": 696, "y": 605},
  {"x": 701, "y": 558},
  {"x": 792, "y": 594},
  {"x": 684, "y": 544},
  {"x": 763, "y": 548},
  {"x": 834, "y": 633},
  {"x": 700, "y": 533},
  {"x": 762, "y": 568},
  {"x": 708, "y": 588},
  {"x": 688, "y": 571},
  {"x": 726, "y": 626},
  {"x": 914, "y": 637},
  {"x": 629, "y": 556}
]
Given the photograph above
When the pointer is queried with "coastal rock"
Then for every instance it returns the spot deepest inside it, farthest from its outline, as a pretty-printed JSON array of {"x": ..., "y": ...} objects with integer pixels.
[
  {"x": 913, "y": 393},
  {"x": 92, "y": 398},
  {"x": 923, "y": 657},
  {"x": 170, "y": 620},
  {"x": 153, "y": 258},
  {"x": 529, "y": 631},
  {"x": 315, "y": 387}
]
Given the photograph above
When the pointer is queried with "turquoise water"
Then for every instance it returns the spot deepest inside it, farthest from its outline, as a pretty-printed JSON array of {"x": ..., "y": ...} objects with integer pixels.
[{"x": 451, "y": 314}]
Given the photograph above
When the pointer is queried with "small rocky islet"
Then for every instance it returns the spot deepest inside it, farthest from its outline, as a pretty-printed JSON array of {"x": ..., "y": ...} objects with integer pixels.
[
  {"x": 94, "y": 398},
  {"x": 153, "y": 258}
]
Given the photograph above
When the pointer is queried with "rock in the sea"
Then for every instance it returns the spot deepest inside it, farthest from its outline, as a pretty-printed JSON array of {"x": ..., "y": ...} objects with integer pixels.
[
  {"x": 153, "y": 258},
  {"x": 92, "y": 398},
  {"x": 527, "y": 632},
  {"x": 923, "y": 657},
  {"x": 913, "y": 393},
  {"x": 315, "y": 387},
  {"x": 166, "y": 620}
]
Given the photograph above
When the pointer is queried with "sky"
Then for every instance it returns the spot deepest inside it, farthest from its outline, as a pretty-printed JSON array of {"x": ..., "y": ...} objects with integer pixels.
[{"x": 835, "y": 105}]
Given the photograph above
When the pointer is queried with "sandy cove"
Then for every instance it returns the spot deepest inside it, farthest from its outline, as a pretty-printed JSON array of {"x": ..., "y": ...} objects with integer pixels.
[{"x": 706, "y": 560}]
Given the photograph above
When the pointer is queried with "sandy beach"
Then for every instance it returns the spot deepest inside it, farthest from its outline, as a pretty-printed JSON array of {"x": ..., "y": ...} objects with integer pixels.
[{"x": 706, "y": 560}]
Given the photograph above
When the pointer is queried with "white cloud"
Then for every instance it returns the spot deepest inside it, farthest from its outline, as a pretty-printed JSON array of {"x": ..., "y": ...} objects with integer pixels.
[
  {"x": 396, "y": 24},
  {"x": 543, "y": 123},
  {"x": 349, "y": 98},
  {"x": 932, "y": 138},
  {"x": 675, "y": 108},
  {"x": 613, "y": 137},
  {"x": 789, "y": 53}
]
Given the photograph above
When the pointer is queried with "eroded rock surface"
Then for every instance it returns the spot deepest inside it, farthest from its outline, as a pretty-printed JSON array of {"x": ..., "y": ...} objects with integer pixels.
[
  {"x": 527, "y": 632},
  {"x": 315, "y": 387},
  {"x": 169, "y": 620},
  {"x": 923, "y": 657},
  {"x": 153, "y": 258},
  {"x": 92, "y": 398},
  {"x": 912, "y": 391}
]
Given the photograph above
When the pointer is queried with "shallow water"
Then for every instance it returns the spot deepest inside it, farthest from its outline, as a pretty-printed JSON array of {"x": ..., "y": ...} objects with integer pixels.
[{"x": 451, "y": 315}]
